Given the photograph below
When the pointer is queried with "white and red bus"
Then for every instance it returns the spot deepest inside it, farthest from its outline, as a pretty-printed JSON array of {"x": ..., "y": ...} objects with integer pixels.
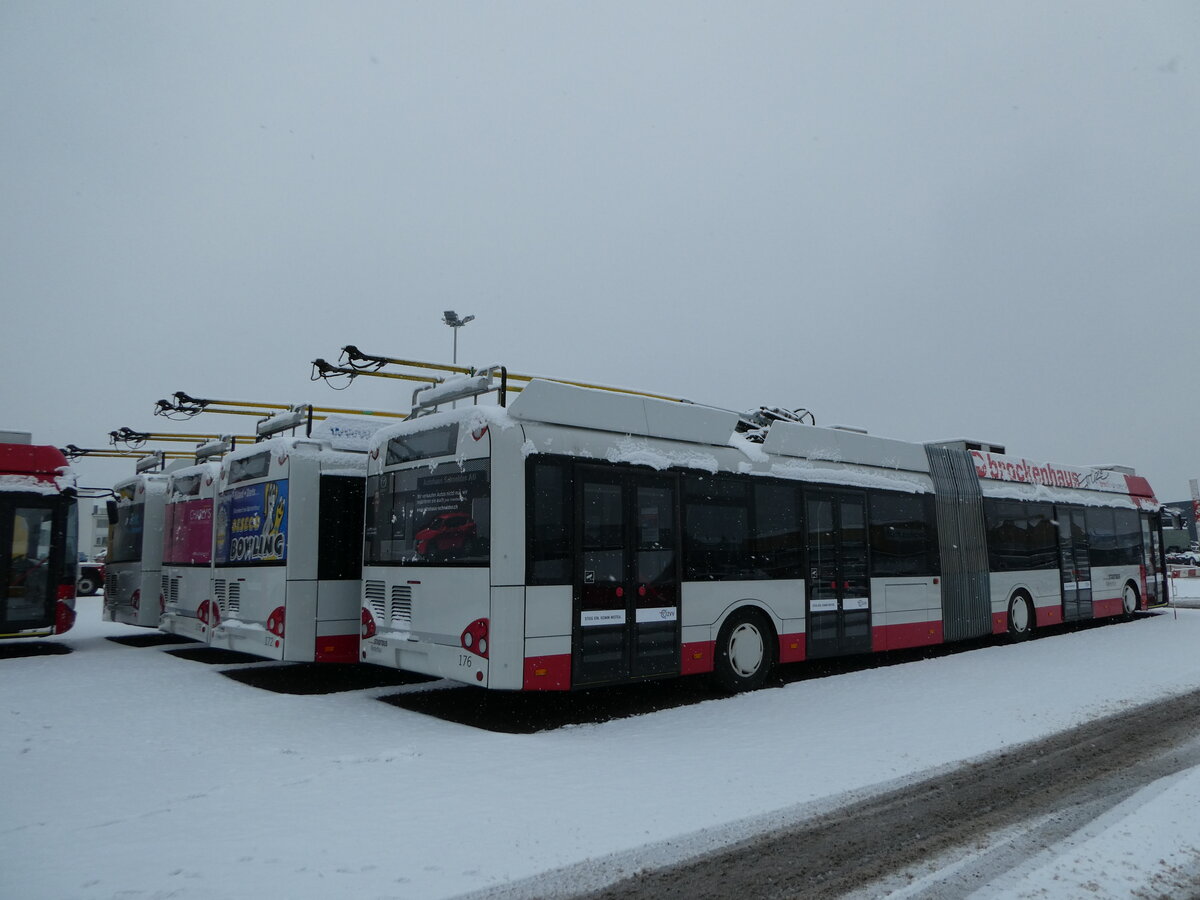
[
  {"x": 133, "y": 564},
  {"x": 186, "y": 590},
  {"x": 288, "y": 545},
  {"x": 582, "y": 538},
  {"x": 39, "y": 524}
]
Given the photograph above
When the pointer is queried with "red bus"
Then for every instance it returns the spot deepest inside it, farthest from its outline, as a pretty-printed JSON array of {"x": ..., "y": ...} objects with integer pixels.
[{"x": 38, "y": 522}]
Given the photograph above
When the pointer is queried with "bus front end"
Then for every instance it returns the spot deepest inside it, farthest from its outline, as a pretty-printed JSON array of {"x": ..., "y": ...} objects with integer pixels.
[
  {"x": 429, "y": 591},
  {"x": 38, "y": 522}
]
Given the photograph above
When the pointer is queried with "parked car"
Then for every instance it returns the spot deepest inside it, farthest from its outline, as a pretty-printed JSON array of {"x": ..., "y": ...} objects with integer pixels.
[{"x": 90, "y": 579}]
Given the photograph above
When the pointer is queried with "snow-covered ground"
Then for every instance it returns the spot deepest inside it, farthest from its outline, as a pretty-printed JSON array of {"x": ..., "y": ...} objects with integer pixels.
[{"x": 130, "y": 772}]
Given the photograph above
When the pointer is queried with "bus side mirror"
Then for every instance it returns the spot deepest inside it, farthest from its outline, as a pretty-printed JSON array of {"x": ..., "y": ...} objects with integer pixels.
[{"x": 111, "y": 506}]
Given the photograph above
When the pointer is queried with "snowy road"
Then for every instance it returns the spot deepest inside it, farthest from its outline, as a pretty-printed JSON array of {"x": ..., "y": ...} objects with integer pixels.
[
  {"x": 992, "y": 828},
  {"x": 135, "y": 772}
]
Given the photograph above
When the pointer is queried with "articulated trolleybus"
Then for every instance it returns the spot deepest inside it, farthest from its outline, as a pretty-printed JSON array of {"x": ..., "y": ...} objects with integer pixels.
[
  {"x": 288, "y": 542},
  {"x": 38, "y": 523},
  {"x": 582, "y": 538}
]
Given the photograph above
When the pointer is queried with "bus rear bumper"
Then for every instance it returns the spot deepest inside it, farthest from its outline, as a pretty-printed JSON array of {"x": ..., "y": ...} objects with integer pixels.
[
  {"x": 184, "y": 626},
  {"x": 425, "y": 658},
  {"x": 244, "y": 638}
]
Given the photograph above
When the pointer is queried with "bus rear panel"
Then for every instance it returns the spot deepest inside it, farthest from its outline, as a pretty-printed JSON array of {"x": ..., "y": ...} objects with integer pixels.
[
  {"x": 186, "y": 589},
  {"x": 288, "y": 552}
]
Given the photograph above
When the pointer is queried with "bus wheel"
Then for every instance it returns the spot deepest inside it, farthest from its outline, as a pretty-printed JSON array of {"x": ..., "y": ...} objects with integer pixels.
[
  {"x": 745, "y": 651},
  {"x": 1020, "y": 616},
  {"x": 1129, "y": 598},
  {"x": 86, "y": 586}
]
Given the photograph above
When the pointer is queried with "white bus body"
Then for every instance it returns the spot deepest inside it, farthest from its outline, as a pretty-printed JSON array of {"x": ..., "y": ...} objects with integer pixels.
[
  {"x": 582, "y": 538},
  {"x": 186, "y": 589},
  {"x": 133, "y": 565},
  {"x": 288, "y": 551}
]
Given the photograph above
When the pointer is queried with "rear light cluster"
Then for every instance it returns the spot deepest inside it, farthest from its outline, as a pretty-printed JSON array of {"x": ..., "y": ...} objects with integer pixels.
[
  {"x": 368, "y": 624},
  {"x": 475, "y": 638},
  {"x": 136, "y": 599},
  {"x": 275, "y": 622}
]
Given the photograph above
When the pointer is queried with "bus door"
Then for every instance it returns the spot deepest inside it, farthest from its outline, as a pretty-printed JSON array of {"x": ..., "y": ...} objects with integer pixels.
[
  {"x": 1074, "y": 565},
  {"x": 627, "y": 577},
  {"x": 839, "y": 591},
  {"x": 1152, "y": 559},
  {"x": 27, "y": 572}
]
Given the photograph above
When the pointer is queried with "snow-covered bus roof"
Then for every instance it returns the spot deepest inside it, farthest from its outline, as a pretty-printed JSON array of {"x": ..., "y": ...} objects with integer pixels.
[{"x": 788, "y": 450}]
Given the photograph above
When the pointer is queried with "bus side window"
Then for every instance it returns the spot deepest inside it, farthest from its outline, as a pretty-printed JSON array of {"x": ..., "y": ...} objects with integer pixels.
[
  {"x": 717, "y": 529},
  {"x": 550, "y": 523}
]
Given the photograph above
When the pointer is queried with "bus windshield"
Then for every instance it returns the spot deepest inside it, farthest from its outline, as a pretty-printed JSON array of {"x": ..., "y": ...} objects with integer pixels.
[
  {"x": 29, "y": 580},
  {"x": 439, "y": 515},
  {"x": 126, "y": 542}
]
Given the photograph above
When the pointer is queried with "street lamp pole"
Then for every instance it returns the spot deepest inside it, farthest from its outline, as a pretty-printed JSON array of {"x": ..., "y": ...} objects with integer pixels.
[{"x": 450, "y": 317}]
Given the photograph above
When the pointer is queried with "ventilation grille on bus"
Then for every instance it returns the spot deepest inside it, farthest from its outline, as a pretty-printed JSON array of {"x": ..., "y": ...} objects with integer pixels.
[
  {"x": 165, "y": 587},
  {"x": 110, "y": 583},
  {"x": 173, "y": 593},
  {"x": 402, "y": 605},
  {"x": 234, "y": 600},
  {"x": 374, "y": 593},
  {"x": 219, "y": 593}
]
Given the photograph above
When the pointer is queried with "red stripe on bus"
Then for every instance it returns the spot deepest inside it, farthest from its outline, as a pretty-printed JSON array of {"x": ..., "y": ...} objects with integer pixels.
[
  {"x": 999, "y": 622},
  {"x": 696, "y": 657},
  {"x": 791, "y": 648},
  {"x": 1048, "y": 615},
  {"x": 1113, "y": 606},
  {"x": 548, "y": 673},
  {"x": 336, "y": 648},
  {"x": 913, "y": 634},
  {"x": 1139, "y": 486}
]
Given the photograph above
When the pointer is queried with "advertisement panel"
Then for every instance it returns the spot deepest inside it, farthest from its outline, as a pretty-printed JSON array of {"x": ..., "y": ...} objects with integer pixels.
[
  {"x": 189, "y": 526},
  {"x": 1022, "y": 471},
  {"x": 252, "y": 524}
]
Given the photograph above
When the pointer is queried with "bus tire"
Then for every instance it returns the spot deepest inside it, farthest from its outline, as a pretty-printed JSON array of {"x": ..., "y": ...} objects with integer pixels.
[
  {"x": 86, "y": 586},
  {"x": 1130, "y": 602},
  {"x": 745, "y": 651},
  {"x": 1020, "y": 616}
]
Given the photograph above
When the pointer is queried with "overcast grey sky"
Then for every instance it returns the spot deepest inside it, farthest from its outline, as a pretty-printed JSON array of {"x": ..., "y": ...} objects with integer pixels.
[{"x": 931, "y": 220}]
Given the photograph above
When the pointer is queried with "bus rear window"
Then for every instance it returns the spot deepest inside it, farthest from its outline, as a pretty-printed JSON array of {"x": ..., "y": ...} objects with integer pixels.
[
  {"x": 422, "y": 445},
  {"x": 422, "y": 517},
  {"x": 126, "y": 540},
  {"x": 186, "y": 486},
  {"x": 249, "y": 467}
]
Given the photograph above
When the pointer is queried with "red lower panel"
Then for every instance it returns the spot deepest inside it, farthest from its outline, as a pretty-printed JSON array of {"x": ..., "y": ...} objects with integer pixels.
[
  {"x": 1110, "y": 607},
  {"x": 999, "y": 622},
  {"x": 696, "y": 657},
  {"x": 897, "y": 637},
  {"x": 1048, "y": 615},
  {"x": 337, "y": 648},
  {"x": 548, "y": 673},
  {"x": 64, "y": 618},
  {"x": 791, "y": 648}
]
